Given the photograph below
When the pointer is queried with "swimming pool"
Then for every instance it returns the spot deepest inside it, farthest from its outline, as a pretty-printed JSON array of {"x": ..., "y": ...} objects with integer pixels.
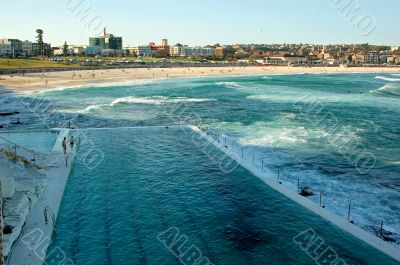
[
  {"x": 155, "y": 180},
  {"x": 39, "y": 141}
]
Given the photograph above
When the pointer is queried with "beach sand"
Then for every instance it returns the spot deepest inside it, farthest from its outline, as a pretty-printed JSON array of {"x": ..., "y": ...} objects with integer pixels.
[{"x": 46, "y": 81}]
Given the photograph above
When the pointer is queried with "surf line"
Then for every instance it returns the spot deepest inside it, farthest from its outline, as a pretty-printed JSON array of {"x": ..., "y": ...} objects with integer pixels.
[{"x": 341, "y": 222}]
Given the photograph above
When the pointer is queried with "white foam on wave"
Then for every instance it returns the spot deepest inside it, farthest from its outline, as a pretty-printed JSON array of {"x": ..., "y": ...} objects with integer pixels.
[
  {"x": 91, "y": 107},
  {"x": 156, "y": 100},
  {"x": 388, "y": 79},
  {"x": 230, "y": 85},
  {"x": 94, "y": 85},
  {"x": 389, "y": 88}
]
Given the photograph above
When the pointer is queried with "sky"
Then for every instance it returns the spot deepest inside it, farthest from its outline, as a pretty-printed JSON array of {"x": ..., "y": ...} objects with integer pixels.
[{"x": 205, "y": 22}]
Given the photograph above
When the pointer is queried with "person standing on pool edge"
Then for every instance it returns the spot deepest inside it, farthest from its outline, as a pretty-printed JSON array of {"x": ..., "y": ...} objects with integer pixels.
[
  {"x": 71, "y": 142},
  {"x": 64, "y": 145}
]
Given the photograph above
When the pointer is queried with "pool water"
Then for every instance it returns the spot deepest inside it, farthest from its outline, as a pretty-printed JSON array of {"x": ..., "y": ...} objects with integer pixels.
[
  {"x": 39, "y": 141},
  {"x": 155, "y": 179}
]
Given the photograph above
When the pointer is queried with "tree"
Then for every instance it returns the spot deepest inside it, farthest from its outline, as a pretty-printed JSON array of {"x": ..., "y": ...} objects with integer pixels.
[
  {"x": 65, "y": 49},
  {"x": 39, "y": 38}
]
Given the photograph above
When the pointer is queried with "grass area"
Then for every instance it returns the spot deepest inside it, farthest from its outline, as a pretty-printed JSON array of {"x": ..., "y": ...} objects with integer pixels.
[
  {"x": 30, "y": 63},
  {"x": 130, "y": 59}
]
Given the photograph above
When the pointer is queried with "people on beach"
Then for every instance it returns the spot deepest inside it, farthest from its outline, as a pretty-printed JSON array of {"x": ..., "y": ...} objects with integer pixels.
[
  {"x": 72, "y": 142},
  {"x": 64, "y": 145}
]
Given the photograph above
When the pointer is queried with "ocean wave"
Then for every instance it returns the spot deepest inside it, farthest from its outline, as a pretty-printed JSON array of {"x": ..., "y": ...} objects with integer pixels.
[
  {"x": 156, "y": 100},
  {"x": 388, "y": 88},
  {"x": 388, "y": 79},
  {"x": 229, "y": 84},
  {"x": 91, "y": 107},
  {"x": 97, "y": 85}
]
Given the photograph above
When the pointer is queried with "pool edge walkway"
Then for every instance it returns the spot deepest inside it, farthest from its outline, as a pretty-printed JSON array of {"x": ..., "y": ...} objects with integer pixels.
[{"x": 31, "y": 246}]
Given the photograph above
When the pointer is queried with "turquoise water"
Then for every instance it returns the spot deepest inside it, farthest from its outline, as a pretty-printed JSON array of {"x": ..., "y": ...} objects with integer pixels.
[
  {"x": 306, "y": 126},
  {"x": 153, "y": 179},
  {"x": 336, "y": 133},
  {"x": 41, "y": 142}
]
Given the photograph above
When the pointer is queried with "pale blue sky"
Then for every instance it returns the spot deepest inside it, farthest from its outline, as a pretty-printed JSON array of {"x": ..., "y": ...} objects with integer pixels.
[{"x": 202, "y": 22}]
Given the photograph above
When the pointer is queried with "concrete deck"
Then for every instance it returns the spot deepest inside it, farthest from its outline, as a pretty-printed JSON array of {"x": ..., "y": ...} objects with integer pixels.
[{"x": 31, "y": 247}]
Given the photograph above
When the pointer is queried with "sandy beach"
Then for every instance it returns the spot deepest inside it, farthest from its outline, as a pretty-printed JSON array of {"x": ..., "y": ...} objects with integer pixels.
[{"x": 44, "y": 81}]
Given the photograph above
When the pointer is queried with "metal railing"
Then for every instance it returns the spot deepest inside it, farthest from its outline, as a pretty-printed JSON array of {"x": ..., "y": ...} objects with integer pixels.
[
  {"x": 14, "y": 146},
  {"x": 48, "y": 212}
]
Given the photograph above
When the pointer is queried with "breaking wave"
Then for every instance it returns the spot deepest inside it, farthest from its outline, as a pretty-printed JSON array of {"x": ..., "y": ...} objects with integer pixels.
[
  {"x": 388, "y": 79},
  {"x": 156, "y": 100}
]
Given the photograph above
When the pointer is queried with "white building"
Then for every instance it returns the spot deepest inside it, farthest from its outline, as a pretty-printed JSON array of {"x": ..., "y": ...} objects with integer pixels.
[
  {"x": 6, "y": 49},
  {"x": 186, "y": 51},
  {"x": 27, "y": 48},
  {"x": 140, "y": 51},
  {"x": 286, "y": 59},
  {"x": 177, "y": 49},
  {"x": 78, "y": 50}
]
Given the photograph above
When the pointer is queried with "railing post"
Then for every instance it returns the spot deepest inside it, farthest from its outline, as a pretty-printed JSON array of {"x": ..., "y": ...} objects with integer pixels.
[
  {"x": 381, "y": 232},
  {"x": 348, "y": 213},
  {"x": 262, "y": 165},
  {"x": 298, "y": 186},
  {"x": 320, "y": 200},
  {"x": 242, "y": 152},
  {"x": 279, "y": 176}
]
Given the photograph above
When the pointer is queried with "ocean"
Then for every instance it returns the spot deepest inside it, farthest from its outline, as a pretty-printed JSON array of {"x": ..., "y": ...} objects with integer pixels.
[{"x": 337, "y": 134}]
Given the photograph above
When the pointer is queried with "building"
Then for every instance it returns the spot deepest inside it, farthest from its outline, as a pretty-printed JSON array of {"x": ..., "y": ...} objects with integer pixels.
[
  {"x": 371, "y": 57},
  {"x": 47, "y": 51},
  {"x": 78, "y": 50},
  {"x": 6, "y": 50},
  {"x": 177, "y": 50},
  {"x": 140, "y": 51},
  {"x": 160, "y": 50},
  {"x": 92, "y": 51},
  {"x": 199, "y": 51},
  {"x": 286, "y": 59},
  {"x": 395, "y": 48},
  {"x": 224, "y": 52},
  {"x": 10, "y": 47},
  {"x": 107, "y": 41},
  {"x": 27, "y": 48},
  {"x": 392, "y": 59},
  {"x": 186, "y": 51}
]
